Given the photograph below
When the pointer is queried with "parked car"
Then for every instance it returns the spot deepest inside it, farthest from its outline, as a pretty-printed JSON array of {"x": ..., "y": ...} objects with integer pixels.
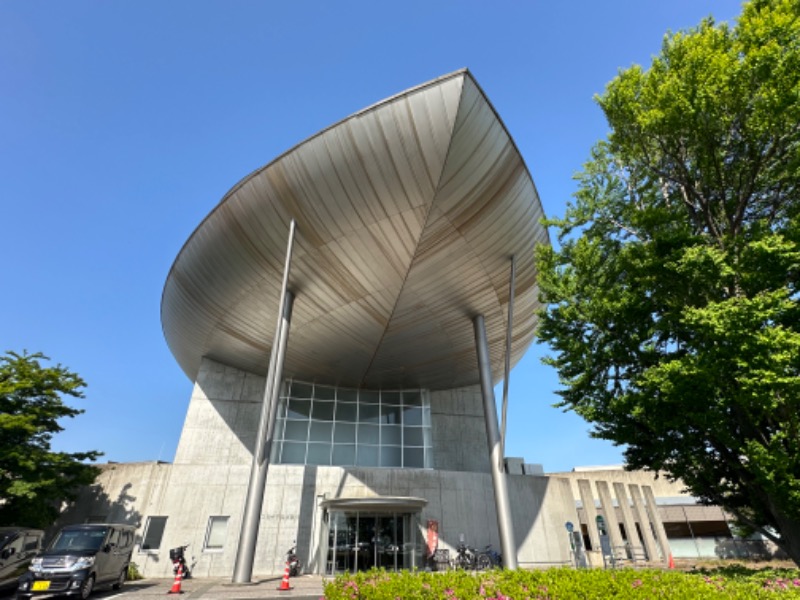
[
  {"x": 18, "y": 545},
  {"x": 79, "y": 558}
]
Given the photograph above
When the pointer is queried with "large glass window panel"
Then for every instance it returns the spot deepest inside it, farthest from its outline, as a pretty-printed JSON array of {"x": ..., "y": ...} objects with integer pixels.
[
  {"x": 412, "y": 436},
  {"x": 391, "y": 435},
  {"x": 323, "y": 392},
  {"x": 293, "y": 453},
  {"x": 390, "y": 397},
  {"x": 367, "y": 456},
  {"x": 426, "y": 416},
  {"x": 322, "y": 410},
  {"x": 299, "y": 409},
  {"x": 344, "y": 454},
  {"x": 412, "y": 398},
  {"x": 391, "y": 456},
  {"x": 301, "y": 390},
  {"x": 279, "y": 426},
  {"x": 344, "y": 433},
  {"x": 369, "y": 413},
  {"x": 347, "y": 395},
  {"x": 369, "y": 397},
  {"x": 296, "y": 431},
  {"x": 414, "y": 458},
  {"x": 346, "y": 411},
  {"x": 391, "y": 414},
  {"x": 320, "y": 431},
  {"x": 318, "y": 454},
  {"x": 368, "y": 434},
  {"x": 412, "y": 415}
]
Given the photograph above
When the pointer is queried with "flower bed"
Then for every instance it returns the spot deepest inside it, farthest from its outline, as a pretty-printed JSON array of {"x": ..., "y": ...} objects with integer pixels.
[{"x": 728, "y": 582}]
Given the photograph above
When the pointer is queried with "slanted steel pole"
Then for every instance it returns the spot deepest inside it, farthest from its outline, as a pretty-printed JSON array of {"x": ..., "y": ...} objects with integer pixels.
[
  {"x": 508, "y": 355},
  {"x": 504, "y": 523},
  {"x": 245, "y": 554}
]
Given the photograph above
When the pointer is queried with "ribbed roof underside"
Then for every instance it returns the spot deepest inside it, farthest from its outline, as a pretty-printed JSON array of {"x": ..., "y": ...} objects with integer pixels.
[{"x": 407, "y": 216}]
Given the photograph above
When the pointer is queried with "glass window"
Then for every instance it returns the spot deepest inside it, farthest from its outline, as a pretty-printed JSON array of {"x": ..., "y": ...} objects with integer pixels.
[
  {"x": 414, "y": 458},
  {"x": 347, "y": 395},
  {"x": 390, "y": 397},
  {"x": 318, "y": 454},
  {"x": 344, "y": 433},
  {"x": 367, "y": 456},
  {"x": 215, "y": 533},
  {"x": 391, "y": 414},
  {"x": 320, "y": 432},
  {"x": 369, "y": 413},
  {"x": 297, "y": 431},
  {"x": 322, "y": 410},
  {"x": 413, "y": 398},
  {"x": 391, "y": 456},
  {"x": 412, "y": 436},
  {"x": 153, "y": 532},
  {"x": 299, "y": 409},
  {"x": 344, "y": 454},
  {"x": 368, "y": 434},
  {"x": 392, "y": 435},
  {"x": 323, "y": 392},
  {"x": 293, "y": 453},
  {"x": 301, "y": 390},
  {"x": 412, "y": 415},
  {"x": 369, "y": 397},
  {"x": 345, "y": 411}
]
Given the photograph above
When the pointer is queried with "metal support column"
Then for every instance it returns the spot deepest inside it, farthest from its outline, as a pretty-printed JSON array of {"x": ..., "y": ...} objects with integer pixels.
[
  {"x": 507, "y": 374},
  {"x": 504, "y": 523},
  {"x": 245, "y": 554}
]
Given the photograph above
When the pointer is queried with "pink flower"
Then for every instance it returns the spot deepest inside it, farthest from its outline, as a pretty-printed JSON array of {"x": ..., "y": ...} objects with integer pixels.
[{"x": 637, "y": 583}]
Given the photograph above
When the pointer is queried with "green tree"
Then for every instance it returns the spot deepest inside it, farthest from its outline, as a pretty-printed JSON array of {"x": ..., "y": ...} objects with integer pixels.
[
  {"x": 671, "y": 304},
  {"x": 33, "y": 479}
]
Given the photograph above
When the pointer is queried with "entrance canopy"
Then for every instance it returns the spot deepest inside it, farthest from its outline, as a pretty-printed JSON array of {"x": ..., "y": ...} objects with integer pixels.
[
  {"x": 404, "y": 504},
  {"x": 407, "y": 213}
]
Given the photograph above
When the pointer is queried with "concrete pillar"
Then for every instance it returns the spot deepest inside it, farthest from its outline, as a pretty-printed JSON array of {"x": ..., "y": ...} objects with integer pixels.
[
  {"x": 587, "y": 498},
  {"x": 504, "y": 525},
  {"x": 661, "y": 534},
  {"x": 614, "y": 536},
  {"x": 644, "y": 523},
  {"x": 627, "y": 517}
]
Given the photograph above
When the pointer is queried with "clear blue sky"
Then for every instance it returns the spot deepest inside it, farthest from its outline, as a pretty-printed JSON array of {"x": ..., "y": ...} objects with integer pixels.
[{"x": 122, "y": 124}]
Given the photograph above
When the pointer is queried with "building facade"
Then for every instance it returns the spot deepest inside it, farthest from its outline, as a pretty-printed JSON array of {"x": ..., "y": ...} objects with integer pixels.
[{"x": 344, "y": 314}]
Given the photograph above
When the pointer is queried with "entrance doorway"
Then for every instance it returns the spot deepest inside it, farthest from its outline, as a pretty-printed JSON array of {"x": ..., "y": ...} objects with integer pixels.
[{"x": 359, "y": 541}]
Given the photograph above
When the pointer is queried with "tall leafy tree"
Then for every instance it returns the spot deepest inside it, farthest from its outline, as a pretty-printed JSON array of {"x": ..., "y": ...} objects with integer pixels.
[
  {"x": 34, "y": 480},
  {"x": 671, "y": 304}
]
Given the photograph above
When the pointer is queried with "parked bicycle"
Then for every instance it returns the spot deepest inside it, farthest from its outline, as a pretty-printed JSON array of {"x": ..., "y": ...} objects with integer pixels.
[
  {"x": 465, "y": 557},
  {"x": 488, "y": 559}
]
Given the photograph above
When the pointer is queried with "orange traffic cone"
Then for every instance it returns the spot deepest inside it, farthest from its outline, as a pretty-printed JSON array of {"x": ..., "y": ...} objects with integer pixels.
[
  {"x": 285, "y": 583},
  {"x": 671, "y": 561},
  {"x": 176, "y": 586}
]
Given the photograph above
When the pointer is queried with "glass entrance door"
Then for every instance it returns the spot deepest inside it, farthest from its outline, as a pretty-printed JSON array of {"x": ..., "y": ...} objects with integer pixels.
[{"x": 360, "y": 541}]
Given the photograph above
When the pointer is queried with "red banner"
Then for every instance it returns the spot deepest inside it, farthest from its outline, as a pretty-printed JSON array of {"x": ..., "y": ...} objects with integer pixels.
[{"x": 433, "y": 536}]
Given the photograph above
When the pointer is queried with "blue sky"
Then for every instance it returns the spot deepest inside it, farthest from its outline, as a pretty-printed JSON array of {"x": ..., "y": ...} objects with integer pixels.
[{"x": 122, "y": 124}]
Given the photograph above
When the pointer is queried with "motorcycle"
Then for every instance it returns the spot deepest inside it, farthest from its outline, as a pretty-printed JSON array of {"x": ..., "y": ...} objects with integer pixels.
[
  {"x": 293, "y": 561},
  {"x": 179, "y": 562}
]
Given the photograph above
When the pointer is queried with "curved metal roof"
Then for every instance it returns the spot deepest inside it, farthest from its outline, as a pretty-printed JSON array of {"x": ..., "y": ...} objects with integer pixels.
[{"x": 407, "y": 215}]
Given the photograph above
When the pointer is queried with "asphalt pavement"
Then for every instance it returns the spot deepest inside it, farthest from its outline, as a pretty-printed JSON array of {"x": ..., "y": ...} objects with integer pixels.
[{"x": 304, "y": 587}]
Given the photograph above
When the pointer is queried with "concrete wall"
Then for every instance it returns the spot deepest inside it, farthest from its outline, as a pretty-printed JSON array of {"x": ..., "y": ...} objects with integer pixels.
[{"x": 462, "y": 502}]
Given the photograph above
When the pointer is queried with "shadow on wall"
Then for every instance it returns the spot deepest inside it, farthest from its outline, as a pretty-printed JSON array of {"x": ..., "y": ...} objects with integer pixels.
[{"x": 93, "y": 505}]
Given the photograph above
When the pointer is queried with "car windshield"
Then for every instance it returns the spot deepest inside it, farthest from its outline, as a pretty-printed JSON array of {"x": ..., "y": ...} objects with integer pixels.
[
  {"x": 5, "y": 537},
  {"x": 80, "y": 539}
]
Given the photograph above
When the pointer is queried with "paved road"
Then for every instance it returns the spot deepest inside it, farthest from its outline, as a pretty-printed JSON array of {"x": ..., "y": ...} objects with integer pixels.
[{"x": 305, "y": 587}]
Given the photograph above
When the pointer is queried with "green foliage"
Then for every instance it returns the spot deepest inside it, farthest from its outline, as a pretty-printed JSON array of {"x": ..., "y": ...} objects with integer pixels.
[
  {"x": 33, "y": 479},
  {"x": 133, "y": 572},
  {"x": 564, "y": 583},
  {"x": 672, "y": 302}
]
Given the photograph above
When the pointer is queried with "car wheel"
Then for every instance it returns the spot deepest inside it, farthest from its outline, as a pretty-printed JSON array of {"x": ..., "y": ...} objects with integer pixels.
[
  {"x": 86, "y": 587},
  {"x": 121, "y": 579}
]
